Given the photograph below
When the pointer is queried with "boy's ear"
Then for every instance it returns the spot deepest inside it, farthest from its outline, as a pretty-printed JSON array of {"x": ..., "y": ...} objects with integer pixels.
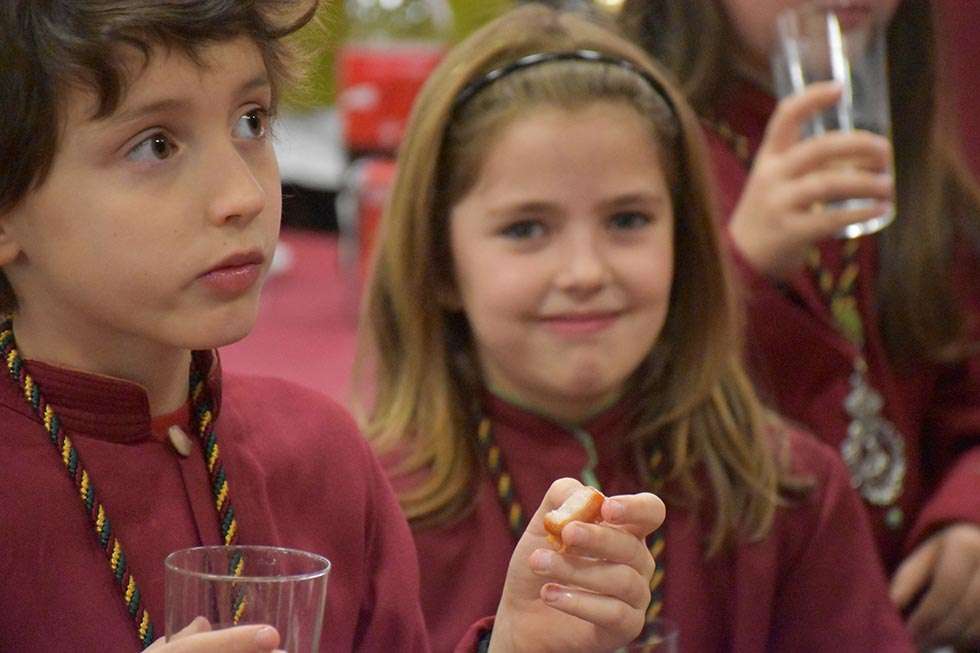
[{"x": 9, "y": 247}]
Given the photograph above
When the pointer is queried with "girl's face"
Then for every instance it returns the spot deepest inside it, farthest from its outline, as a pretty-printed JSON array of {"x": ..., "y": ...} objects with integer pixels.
[
  {"x": 563, "y": 256},
  {"x": 754, "y": 22}
]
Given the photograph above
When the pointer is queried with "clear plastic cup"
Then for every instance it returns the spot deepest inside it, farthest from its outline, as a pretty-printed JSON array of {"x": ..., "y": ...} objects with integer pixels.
[
  {"x": 283, "y": 588},
  {"x": 842, "y": 41}
]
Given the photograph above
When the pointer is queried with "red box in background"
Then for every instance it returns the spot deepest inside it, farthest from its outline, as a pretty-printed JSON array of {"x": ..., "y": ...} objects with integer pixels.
[{"x": 378, "y": 84}]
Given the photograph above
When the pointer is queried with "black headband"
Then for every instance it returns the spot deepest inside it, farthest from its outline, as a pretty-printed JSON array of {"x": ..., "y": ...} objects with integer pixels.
[{"x": 538, "y": 58}]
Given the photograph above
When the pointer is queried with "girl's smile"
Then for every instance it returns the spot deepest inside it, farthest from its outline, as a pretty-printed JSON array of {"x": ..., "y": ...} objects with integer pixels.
[{"x": 577, "y": 325}]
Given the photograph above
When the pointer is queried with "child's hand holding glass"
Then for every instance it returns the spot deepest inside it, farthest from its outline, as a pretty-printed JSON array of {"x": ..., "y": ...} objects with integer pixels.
[
  {"x": 784, "y": 210},
  {"x": 198, "y": 637}
]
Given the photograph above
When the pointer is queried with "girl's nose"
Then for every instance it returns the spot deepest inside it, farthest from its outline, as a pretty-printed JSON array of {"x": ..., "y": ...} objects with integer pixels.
[{"x": 584, "y": 269}]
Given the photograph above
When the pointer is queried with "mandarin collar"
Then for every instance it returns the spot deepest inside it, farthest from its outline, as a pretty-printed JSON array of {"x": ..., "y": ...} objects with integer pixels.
[
  {"x": 105, "y": 407},
  {"x": 608, "y": 429}
]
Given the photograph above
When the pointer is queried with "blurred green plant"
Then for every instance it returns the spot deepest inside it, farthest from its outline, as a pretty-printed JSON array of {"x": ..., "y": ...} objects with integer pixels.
[{"x": 324, "y": 36}]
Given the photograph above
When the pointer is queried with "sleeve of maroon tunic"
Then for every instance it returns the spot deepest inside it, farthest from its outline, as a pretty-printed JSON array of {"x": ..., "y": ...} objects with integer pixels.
[
  {"x": 834, "y": 596},
  {"x": 954, "y": 427},
  {"x": 471, "y": 640},
  {"x": 385, "y": 624}
]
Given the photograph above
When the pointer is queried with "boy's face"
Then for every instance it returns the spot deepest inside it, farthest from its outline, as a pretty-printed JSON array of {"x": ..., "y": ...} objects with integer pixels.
[{"x": 156, "y": 224}]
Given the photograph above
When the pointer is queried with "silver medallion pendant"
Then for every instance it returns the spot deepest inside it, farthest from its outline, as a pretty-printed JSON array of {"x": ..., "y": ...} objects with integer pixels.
[{"x": 873, "y": 449}]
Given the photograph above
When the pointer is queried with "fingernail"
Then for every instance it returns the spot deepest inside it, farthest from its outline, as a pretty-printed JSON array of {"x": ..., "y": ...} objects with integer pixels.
[
  {"x": 552, "y": 593},
  {"x": 200, "y": 624},
  {"x": 574, "y": 535},
  {"x": 267, "y": 637},
  {"x": 542, "y": 560},
  {"x": 615, "y": 509}
]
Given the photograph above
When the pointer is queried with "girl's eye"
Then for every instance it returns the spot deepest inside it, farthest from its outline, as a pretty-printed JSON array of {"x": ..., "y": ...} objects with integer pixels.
[
  {"x": 153, "y": 148},
  {"x": 252, "y": 125},
  {"x": 523, "y": 230},
  {"x": 629, "y": 220}
]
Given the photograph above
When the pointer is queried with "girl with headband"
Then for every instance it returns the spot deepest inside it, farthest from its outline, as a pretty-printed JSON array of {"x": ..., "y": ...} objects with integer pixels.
[{"x": 549, "y": 299}]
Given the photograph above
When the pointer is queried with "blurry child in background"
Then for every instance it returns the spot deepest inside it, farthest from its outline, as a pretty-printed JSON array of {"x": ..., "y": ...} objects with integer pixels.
[
  {"x": 549, "y": 300},
  {"x": 874, "y": 344}
]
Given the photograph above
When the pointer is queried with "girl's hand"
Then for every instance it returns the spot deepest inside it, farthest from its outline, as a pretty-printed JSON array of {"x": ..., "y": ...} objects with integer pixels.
[
  {"x": 781, "y": 212},
  {"x": 198, "y": 637},
  {"x": 592, "y": 597},
  {"x": 945, "y": 571}
]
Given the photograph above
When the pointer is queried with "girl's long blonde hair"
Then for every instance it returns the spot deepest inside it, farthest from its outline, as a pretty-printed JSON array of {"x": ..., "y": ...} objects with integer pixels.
[
  {"x": 937, "y": 201},
  {"x": 691, "y": 393}
]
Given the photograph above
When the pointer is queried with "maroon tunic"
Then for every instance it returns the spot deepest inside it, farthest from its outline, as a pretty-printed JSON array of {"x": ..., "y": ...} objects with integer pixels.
[
  {"x": 803, "y": 364},
  {"x": 814, "y": 584},
  {"x": 300, "y": 476}
]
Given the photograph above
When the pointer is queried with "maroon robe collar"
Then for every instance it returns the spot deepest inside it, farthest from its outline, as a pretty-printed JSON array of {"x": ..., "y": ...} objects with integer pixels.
[
  {"x": 105, "y": 407},
  {"x": 520, "y": 427}
]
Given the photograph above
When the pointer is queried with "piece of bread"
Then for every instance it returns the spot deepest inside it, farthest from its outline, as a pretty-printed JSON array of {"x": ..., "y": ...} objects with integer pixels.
[{"x": 585, "y": 504}]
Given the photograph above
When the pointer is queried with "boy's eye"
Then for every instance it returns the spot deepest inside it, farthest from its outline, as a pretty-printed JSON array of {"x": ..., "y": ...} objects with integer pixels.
[
  {"x": 629, "y": 220},
  {"x": 252, "y": 125},
  {"x": 154, "y": 148},
  {"x": 523, "y": 230}
]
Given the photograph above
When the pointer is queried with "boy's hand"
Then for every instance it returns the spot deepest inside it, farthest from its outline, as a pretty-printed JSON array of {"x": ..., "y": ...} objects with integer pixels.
[
  {"x": 592, "y": 597},
  {"x": 945, "y": 571},
  {"x": 781, "y": 212},
  {"x": 198, "y": 637}
]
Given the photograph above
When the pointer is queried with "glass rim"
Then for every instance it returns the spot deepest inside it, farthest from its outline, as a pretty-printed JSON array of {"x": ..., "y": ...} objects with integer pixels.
[
  {"x": 171, "y": 565},
  {"x": 812, "y": 8}
]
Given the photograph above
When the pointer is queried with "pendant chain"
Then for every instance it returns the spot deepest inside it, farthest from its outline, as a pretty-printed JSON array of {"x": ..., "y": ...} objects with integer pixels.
[{"x": 872, "y": 448}]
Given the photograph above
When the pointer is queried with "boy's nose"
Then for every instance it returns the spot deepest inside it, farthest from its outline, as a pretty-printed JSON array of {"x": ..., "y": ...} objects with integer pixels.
[{"x": 236, "y": 194}]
